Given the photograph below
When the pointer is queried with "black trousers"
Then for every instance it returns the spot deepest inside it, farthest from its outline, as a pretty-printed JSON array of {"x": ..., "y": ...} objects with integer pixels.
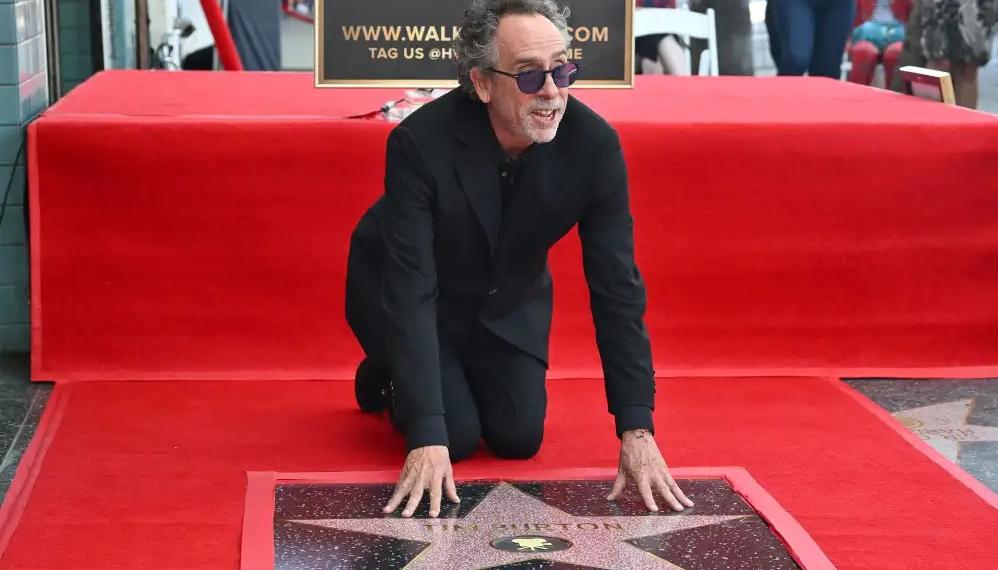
[{"x": 491, "y": 390}]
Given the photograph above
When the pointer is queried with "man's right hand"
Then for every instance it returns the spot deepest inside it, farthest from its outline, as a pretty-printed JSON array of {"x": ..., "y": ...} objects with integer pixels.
[{"x": 425, "y": 468}]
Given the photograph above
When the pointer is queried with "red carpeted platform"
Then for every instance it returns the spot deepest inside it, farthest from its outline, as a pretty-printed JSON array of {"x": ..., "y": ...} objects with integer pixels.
[
  {"x": 154, "y": 474},
  {"x": 195, "y": 226}
]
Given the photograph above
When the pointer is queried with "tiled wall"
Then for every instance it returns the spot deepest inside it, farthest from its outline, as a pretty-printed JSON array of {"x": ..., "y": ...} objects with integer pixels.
[
  {"x": 75, "y": 47},
  {"x": 23, "y": 95}
]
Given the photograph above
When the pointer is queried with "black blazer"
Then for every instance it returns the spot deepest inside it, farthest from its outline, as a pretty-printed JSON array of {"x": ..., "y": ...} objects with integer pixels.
[{"x": 452, "y": 251}]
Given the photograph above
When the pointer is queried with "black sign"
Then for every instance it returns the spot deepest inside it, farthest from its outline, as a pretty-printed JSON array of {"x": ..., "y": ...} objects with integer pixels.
[{"x": 409, "y": 43}]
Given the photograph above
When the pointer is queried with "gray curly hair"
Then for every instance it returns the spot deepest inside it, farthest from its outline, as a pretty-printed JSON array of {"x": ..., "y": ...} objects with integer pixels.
[{"x": 476, "y": 45}]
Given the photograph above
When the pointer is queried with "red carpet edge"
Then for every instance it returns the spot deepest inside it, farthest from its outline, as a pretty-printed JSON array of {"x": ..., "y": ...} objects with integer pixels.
[
  {"x": 31, "y": 464},
  {"x": 989, "y": 496}
]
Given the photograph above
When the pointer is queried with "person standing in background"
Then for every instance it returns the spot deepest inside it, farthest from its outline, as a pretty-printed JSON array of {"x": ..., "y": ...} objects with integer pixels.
[
  {"x": 911, "y": 50},
  {"x": 773, "y": 31},
  {"x": 878, "y": 37},
  {"x": 812, "y": 35},
  {"x": 956, "y": 38}
]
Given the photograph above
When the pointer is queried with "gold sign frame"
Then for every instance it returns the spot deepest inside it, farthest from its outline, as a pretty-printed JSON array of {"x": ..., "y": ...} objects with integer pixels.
[
  {"x": 322, "y": 82},
  {"x": 928, "y": 84}
]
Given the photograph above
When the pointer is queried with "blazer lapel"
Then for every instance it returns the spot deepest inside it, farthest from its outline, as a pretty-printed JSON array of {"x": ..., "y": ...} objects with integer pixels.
[{"x": 477, "y": 168}]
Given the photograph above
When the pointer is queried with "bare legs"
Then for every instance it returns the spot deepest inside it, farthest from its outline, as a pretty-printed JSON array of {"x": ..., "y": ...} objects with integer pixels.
[{"x": 671, "y": 59}]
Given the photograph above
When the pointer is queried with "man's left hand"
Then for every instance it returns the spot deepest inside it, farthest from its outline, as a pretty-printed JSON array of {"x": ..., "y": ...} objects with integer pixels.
[{"x": 641, "y": 460}]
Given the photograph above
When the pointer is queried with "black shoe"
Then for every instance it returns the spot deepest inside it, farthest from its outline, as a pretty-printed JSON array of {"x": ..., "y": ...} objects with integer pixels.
[{"x": 371, "y": 387}]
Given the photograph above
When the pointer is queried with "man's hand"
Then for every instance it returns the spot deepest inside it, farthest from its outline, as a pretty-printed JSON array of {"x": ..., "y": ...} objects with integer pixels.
[
  {"x": 425, "y": 468},
  {"x": 641, "y": 460}
]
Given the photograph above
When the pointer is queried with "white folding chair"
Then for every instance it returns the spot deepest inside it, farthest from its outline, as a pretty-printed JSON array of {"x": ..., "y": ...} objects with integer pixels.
[
  {"x": 846, "y": 66},
  {"x": 685, "y": 24}
]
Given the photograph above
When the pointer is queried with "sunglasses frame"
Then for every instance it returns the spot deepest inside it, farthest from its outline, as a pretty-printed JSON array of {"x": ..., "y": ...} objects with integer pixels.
[{"x": 544, "y": 73}]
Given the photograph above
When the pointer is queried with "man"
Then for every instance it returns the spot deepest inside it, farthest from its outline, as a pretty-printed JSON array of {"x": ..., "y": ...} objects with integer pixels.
[{"x": 448, "y": 289}]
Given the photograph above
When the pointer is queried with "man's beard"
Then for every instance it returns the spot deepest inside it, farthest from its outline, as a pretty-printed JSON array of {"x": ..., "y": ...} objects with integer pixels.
[{"x": 541, "y": 134}]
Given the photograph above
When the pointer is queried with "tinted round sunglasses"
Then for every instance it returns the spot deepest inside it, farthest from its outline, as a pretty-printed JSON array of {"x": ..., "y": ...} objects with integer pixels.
[{"x": 532, "y": 81}]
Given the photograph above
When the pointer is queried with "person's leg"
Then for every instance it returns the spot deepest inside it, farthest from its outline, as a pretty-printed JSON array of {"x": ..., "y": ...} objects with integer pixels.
[
  {"x": 943, "y": 65},
  {"x": 834, "y": 20},
  {"x": 891, "y": 57},
  {"x": 649, "y": 67},
  {"x": 938, "y": 64},
  {"x": 508, "y": 387},
  {"x": 363, "y": 286},
  {"x": 646, "y": 51},
  {"x": 773, "y": 31},
  {"x": 364, "y": 313},
  {"x": 965, "y": 83},
  {"x": 911, "y": 51},
  {"x": 795, "y": 20},
  {"x": 461, "y": 416},
  {"x": 672, "y": 56},
  {"x": 460, "y": 413},
  {"x": 864, "y": 57}
]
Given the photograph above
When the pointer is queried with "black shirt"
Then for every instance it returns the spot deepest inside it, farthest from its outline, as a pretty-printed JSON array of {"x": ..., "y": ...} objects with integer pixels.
[{"x": 509, "y": 172}]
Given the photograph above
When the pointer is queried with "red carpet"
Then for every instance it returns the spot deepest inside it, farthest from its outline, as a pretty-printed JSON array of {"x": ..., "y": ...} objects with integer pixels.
[
  {"x": 784, "y": 226},
  {"x": 153, "y": 474},
  {"x": 195, "y": 227},
  {"x": 679, "y": 100}
]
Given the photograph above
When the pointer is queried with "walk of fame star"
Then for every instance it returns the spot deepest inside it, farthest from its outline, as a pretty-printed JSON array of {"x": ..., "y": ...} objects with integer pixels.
[
  {"x": 605, "y": 542},
  {"x": 944, "y": 426}
]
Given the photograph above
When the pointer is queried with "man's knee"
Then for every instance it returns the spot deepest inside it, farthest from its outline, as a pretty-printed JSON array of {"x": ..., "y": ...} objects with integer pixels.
[
  {"x": 516, "y": 441},
  {"x": 463, "y": 438}
]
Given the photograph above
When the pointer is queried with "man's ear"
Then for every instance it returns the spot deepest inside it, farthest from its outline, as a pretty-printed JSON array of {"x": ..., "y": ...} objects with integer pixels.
[{"x": 481, "y": 83}]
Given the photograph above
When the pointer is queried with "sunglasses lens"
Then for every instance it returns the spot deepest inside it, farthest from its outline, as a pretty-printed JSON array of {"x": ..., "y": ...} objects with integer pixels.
[
  {"x": 564, "y": 75},
  {"x": 531, "y": 81}
]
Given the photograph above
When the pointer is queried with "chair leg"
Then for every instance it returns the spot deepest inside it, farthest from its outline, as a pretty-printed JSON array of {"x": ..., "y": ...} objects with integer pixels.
[{"x": 705, "y": 59}]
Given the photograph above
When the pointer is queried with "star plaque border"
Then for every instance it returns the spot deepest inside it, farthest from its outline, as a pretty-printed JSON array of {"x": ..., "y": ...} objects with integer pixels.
[{"x": 258, "y": 552}]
